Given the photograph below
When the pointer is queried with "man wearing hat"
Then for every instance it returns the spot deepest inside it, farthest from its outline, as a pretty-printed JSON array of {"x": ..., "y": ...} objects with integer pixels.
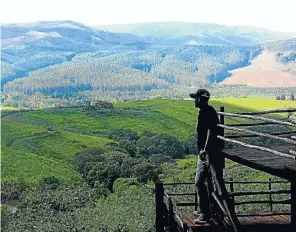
[{"x": 207, "y": 141}]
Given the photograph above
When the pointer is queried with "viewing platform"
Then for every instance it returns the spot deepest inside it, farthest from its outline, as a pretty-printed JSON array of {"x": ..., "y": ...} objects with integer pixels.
[{"x": 174, "y": 208}]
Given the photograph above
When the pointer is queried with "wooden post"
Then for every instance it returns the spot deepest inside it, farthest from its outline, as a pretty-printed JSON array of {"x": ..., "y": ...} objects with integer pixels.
[
  {"x": 195, "y": 200},
  {"x": 159, "y": 192},
  {"x": 222, "y": 134},
  {"x": 270, "y": 198},
  {"x": 222, "y": 122},
  {"x": 231, "y": 189},
  {"x": 171, "y": 215},
  {"x": 293, "y": 204},
  {"x": 185, "y": 227},
  {"x": 225, "y": 199}
]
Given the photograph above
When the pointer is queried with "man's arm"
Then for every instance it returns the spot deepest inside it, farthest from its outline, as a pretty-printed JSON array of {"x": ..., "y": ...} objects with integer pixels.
[{"x": 202, "y": 153}]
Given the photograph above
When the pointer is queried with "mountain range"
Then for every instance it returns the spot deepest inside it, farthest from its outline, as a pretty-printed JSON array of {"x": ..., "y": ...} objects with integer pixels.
[
  {"x": 63, "y": 59},
  {"x": 180, "y": 33}
]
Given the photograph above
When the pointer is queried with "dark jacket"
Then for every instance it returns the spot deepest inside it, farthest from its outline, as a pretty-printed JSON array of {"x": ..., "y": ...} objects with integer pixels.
[{"x": 208, "y": 120}]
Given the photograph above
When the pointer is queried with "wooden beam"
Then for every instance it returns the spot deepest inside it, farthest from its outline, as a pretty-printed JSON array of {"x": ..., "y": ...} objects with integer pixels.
[
  {"x": 256, "y": 182},
  {"x": 267, "y": 112},
  {"x": 219, "y": 203},
  {"x": 258, "y": 118},
  {"x": 252, "y": 124},
  {"x": 259, "y": 134},
  {"x": 225, "y": 199},
  {"x": 293, "y": 204},
  {"x": 258, "y": 147},
  {"x": 186, "y": 204},
  {"x": 263, "y": 214},
  {"x": 171, "y": 220},
  {"x": 177, "y": 183},
  {"x": 181, "y": 194},
  {"x": 260, "y": 192},
  {"x": 284, "y": 202},
  {"x": 223, "y": 123},
  {"x": 248, "y": 136},
  {"x": 159, "y": 192}
]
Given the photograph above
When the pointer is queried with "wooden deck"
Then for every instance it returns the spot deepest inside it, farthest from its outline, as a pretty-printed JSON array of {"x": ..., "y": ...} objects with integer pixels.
[
  {"x": 265, "y": 161},
  {"x": 274, "y": 223}
]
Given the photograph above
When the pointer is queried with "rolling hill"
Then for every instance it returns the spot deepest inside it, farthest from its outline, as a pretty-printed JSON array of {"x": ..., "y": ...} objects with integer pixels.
[{"x": 28, "y": 136}]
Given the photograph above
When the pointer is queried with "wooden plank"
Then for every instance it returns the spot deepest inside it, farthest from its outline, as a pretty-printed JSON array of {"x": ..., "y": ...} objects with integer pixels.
[
  {"x": 255, "y": 220},
  {"x": 269, "y": 220},
  {"x": 191, "y": 223},
  {"x": 280, "y": 219},
  {"x": 243, "y": 221},
  {"x": 287, "y": 217},
  {"x": 278, "y": 167},
  {"x": 250, "y": 220}
]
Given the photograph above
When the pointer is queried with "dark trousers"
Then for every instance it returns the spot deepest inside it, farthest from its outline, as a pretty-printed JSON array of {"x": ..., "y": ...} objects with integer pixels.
[{"x": 202, "y": 183}]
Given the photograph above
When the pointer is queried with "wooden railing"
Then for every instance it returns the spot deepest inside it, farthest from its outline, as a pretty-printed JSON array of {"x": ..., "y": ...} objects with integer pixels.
[
  {"x": 270, "y": 192},
  {"x": 250, "y": 133},
  {"x": 291, "y": 154},
  {"x": 168, "y": 209},
  {"x": 168, "y": 213}
]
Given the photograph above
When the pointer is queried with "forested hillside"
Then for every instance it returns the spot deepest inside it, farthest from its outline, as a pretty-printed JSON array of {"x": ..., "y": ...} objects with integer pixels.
[{"x": 67, "y": 63}]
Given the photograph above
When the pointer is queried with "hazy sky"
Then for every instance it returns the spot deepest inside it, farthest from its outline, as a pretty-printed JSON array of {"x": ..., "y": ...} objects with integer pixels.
[{"x": 278, "y": 15}]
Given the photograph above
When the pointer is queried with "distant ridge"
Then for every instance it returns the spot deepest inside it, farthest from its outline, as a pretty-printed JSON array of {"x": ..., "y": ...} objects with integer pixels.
[{"x": 204, "y": 33}]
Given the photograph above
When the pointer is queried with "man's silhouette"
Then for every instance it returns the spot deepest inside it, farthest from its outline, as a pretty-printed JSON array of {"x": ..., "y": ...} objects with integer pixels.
[{"x": 207, "y": 141}]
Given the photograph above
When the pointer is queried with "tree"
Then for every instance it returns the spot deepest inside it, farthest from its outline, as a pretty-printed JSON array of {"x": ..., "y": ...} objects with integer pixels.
[
  {"x": 84, "y": 160},
  {"x": 129, "y": 147},
  {"x": 167, "y": 145},
  {"x": 123, "y": 134},
  {"x": 145, "y": 171},
  {"x": 104, "y": 173},
  {"x": 159, "y": 159}
]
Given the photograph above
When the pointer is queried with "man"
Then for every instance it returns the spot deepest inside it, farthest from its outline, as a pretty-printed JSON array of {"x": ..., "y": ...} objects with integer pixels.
[{"x": 207, "y": 141}]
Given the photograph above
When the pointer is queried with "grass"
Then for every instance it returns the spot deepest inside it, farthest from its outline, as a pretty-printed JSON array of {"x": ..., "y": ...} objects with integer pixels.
[
  {"x": 98, "y": 123},
  {"x": 36, "y": 144},
  {"x": 19, "y": 165},
  {"x": 32, "y": 153},
  {"x": 13, "y": 130}
]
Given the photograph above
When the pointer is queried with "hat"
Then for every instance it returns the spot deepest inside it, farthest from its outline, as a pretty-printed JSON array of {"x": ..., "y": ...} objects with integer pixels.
[{"x": 200, "y": 93}]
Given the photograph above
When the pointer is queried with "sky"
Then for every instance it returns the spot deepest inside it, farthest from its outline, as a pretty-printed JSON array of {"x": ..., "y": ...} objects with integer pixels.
[{"x": 277, "y": 15}]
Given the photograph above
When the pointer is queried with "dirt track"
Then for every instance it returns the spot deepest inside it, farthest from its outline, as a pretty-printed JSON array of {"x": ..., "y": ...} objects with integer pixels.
[{"x": 264, "y": 71}]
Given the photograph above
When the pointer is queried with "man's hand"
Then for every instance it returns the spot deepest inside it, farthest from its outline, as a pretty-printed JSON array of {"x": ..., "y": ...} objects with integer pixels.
[{"x": 202, "y": 155}]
